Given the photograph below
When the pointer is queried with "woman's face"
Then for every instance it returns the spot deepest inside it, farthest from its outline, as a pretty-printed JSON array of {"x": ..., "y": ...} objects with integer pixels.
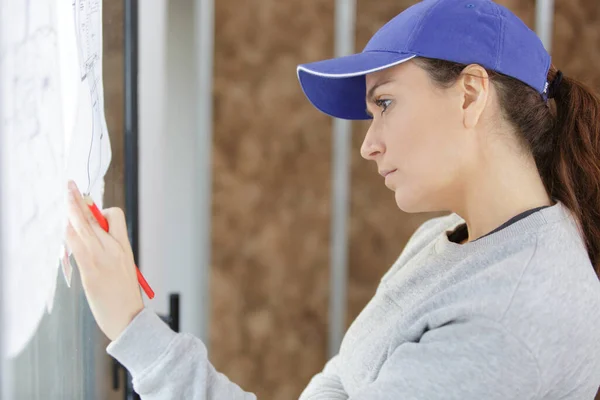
[{"x": 417, "y": 137}]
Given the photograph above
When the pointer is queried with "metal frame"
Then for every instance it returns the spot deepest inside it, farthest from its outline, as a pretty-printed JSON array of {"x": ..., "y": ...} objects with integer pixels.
[
  {"x": 130, "y": 49},
  {"x": 544, "y": 21},
  {"x": 130, "y": 87},
  {"x": 204, "y": 35},
  {"x": 3, "y": 381},
  {"x": 345, "y": 15}
]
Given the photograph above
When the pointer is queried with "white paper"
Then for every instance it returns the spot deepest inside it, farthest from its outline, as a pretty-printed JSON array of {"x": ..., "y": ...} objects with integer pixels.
[
  {"x": 89, "y": 133},
  {"x": 54, "y": 129},
  {"x": 33, "y": 173}
]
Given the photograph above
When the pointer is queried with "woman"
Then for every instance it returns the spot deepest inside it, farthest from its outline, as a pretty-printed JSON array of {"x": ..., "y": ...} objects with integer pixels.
[{"x": 498, "y": 300}]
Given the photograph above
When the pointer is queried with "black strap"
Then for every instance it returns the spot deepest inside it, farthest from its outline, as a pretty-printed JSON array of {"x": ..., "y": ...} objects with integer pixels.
[{"x": 553, "y": 88}]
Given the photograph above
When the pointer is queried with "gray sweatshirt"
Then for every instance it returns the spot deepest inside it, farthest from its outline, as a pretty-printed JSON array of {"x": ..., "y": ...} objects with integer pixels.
[{"x": 513, "y": 315}]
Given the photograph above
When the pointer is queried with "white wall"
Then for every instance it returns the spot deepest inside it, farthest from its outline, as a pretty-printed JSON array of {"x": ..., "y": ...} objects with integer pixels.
[{"x": 169, "y": 257}]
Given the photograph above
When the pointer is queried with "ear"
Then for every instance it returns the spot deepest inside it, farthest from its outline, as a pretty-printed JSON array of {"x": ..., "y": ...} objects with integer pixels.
[{"x": 474, "y": 83}]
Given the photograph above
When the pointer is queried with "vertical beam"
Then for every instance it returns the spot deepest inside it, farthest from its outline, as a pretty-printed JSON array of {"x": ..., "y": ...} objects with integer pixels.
[
  {"x": 130, "y": 87},
  {"x": 153, "y": 141},
  {"x": 4, "y": 393},
  {"x": 130, "y": 50},
  {"x": 345, "y": 15},
  {"x": 544, "y": 21},
  {"x": 204, "y": 34},
  {"x": 180, "y": 264}
]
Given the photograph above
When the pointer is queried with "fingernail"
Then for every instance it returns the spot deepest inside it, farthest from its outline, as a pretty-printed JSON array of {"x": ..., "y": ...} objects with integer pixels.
[{"x": 73, "y": 186}]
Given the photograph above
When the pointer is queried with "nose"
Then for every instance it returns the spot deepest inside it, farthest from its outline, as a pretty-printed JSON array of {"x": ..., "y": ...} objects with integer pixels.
[{"x": 372, "y": 146}]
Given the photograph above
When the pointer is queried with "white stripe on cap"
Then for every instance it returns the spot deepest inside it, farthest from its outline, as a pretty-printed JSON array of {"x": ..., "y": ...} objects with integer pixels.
[{"x": 352, "y": 74}]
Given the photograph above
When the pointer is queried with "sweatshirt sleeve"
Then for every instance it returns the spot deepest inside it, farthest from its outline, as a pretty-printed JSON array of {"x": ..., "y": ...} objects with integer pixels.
[
  {"x": 326, "y": 385},
  {"x": 476, "y": 359},
  {"x": 166, "y": 365}
]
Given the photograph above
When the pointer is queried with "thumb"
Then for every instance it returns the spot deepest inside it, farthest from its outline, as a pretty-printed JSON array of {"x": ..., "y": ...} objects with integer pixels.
[{"x": 117, "y": 226}]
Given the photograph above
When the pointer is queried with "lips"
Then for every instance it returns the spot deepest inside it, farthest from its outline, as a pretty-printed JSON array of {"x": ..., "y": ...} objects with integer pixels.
[{"x": 386, "y": 172}]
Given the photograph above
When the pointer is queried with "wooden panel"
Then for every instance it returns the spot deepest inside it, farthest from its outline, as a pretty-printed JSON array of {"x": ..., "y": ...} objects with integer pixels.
[
  {"x": 113, "y": 99},
  {"x": 378, "y": 229},
  {"x": 576, "y": 48},
  {"x": 112, "y": 35},
  {"x": 271, "y": 200}
]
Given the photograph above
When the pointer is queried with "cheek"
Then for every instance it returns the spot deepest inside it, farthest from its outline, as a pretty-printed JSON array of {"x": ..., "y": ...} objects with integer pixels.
[
  {"x": 423, "y": 143},
  {"x": 427, "y": 153}
]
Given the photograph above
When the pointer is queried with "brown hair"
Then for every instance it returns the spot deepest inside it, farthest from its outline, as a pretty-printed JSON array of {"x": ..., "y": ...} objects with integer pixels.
[{"x": 563, "y": 135}]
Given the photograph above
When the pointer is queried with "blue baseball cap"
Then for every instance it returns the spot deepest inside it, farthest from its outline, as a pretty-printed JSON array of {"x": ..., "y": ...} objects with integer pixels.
[{"x": 462, "y": 31}]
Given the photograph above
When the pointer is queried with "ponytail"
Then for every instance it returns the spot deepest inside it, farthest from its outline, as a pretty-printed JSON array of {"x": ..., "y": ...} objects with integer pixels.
[
  {"x": 571, "y": 172},
  {"x": 562, "y": 133}
]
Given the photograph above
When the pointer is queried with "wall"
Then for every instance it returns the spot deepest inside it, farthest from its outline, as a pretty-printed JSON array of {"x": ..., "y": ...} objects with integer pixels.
[
  {"x": 114, "y": 194},
  {"x": 271, "y": 196},
  {"x": 577, "y": 40},
  {"x": 378, "y": 229}
]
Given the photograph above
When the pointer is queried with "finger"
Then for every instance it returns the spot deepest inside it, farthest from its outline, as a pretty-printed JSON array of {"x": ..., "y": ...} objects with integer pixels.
[
  {"x": 82, "y": 205},
  {"x": 117, "y": 226},
  {"x": 81, "y": 217},
  {"x": 78, "y": 248}
]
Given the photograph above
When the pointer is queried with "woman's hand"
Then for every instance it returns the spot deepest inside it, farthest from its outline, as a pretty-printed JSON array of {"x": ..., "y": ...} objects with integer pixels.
[{"x": 106, "y": 265}]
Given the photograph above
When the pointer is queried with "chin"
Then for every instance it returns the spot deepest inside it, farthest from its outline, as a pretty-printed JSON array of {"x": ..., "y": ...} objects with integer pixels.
[{"x": 409, "y": 203}]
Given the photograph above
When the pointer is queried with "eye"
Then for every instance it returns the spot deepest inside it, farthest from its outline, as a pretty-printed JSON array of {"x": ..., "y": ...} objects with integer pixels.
[{"x": 383, "y": 104}]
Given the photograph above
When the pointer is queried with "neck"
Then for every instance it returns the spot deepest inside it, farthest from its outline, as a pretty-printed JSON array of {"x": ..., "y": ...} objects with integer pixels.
[{"x": 498, "y": 190}]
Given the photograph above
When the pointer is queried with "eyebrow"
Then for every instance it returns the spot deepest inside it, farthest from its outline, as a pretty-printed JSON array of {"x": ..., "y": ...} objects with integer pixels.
[{"x": 374, "y": 87}]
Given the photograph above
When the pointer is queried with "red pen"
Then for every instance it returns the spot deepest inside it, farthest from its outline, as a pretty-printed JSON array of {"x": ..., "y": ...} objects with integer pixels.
[{"x": 104, "y": 225}]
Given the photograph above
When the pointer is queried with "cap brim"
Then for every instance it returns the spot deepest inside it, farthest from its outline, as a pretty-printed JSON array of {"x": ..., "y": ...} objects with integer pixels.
[{"x": 337, "y": 86}]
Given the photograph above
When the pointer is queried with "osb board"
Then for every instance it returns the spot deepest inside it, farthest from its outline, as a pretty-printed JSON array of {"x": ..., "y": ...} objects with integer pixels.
[
  {"x": 378, "y": 229},
  {"x": 271, "y": 196},
  {"x": 576, "y": 40},
  {"x": 112, "y": 34}
]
